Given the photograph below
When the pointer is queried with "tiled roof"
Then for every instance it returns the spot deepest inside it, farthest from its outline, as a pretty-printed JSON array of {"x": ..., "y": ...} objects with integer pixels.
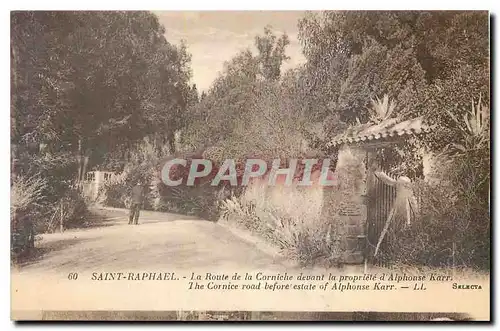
[{"x": 385, "y": 129}]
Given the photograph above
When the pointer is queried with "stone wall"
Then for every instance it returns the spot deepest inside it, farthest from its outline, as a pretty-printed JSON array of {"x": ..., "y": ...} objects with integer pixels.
[
  {"x": 300, "y": 203},
  {"x": 341, "y": 206},
  {"x": 345, "y": 207}
]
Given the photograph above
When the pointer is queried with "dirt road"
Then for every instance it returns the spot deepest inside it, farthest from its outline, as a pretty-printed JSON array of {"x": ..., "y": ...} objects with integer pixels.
[
  {"x": 161, "y": 240},
  {"x": 167, "y": 243}
]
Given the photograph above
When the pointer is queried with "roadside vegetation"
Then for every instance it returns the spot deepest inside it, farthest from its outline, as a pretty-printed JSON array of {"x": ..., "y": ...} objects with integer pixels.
[{"x": 130, "y": 105}]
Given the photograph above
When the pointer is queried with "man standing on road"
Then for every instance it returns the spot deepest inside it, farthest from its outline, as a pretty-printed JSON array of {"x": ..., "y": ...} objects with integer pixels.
[{"x": 137, "y": 200}]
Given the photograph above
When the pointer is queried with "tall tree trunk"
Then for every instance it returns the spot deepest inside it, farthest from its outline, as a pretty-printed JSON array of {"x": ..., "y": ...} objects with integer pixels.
[
  {"x": 83, "y": 156},
  {"x": 84, "y": 165},
  {"x": 79, "y": 160},
  {"x": 171, "y": 143},
  {"x": 157, "y": 144},
  {"x": 61, "y": 219}
]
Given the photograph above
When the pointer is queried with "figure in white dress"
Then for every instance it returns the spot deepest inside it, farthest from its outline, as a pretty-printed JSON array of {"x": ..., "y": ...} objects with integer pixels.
[{"x": 404, "y": 204}]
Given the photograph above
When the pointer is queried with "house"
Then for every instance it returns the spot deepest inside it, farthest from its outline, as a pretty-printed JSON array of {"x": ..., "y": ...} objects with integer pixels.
[{"x": 94, "y": 181}]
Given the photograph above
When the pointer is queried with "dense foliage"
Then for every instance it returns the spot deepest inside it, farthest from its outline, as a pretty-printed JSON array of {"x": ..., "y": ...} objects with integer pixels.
[
  {"x": 433, "y": 65},
  {"x": 106, "y": 89},
  {"x": 86, "y": 88}
]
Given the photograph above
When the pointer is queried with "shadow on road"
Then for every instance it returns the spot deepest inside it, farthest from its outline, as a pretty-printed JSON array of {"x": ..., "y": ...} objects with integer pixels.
[
  {"x": 36, "y": 254},
  {"x": 114, "y": 216},
  {"x": 97, "y": 220}
]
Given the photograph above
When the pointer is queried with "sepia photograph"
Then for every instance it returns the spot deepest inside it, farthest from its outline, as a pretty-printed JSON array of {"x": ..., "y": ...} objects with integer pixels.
[{"x": 250, "y": 165}]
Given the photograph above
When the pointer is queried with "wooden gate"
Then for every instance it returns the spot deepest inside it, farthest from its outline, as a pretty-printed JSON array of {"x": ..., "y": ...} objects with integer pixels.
[{"x": 380, "y": 201}]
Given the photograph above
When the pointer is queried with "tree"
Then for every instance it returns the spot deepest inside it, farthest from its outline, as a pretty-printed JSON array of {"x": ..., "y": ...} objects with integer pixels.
[
  {"x": 223, "y": 113},
  {"x": 193, "y": 95},
  {"x": 414, "y": 57},
  {"x": 271, "y": 53},
  {"x": 216, "y": 116},
  {"x": 95, "y": 83},
  {"x": 352, "y": 58}
]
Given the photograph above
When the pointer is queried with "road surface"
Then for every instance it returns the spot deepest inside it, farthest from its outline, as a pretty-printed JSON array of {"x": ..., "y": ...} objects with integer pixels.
[
  {"x": 160, "y": 241},
  {"x": 171, "y": 243}
]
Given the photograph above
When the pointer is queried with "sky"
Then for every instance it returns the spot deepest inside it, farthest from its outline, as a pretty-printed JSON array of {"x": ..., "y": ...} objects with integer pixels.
[{"x": 213, "y": 37}]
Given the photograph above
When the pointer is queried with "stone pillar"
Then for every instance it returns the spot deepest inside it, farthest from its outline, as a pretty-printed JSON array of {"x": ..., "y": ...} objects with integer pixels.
[
  {"x": 345, "y": 205},
  {"x": 369, "y": 197}
]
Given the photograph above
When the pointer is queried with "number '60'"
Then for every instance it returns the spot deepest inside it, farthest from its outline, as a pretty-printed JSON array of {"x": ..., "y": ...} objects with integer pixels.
[{"x": 73, "y": 276}]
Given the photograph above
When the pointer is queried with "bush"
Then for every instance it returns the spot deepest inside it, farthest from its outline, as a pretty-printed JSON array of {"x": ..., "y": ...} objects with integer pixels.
[
  {"x": 199, "y": 200},
  {"x": 140, "y": 167},
  {"x": 116, "y": 192},
  {"x": 279, "y": 217},
  {"x": 70, "y": 211},
  {"x": 26, "y": 192},
  {"x": 26, "y": 196},
  {"x": 453, "y": 228},
  {"x": 34, "y": 211},
  {"x": 202, "y": 201}
]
